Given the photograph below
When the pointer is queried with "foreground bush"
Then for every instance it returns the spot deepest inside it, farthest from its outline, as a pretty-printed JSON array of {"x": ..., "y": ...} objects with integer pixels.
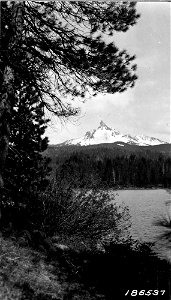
[{"x": 88, "y": 218}]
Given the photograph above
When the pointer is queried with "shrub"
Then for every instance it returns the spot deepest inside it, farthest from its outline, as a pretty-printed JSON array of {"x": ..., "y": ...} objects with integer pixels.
[
  {"x": 85, "y": 217},
  {"x": 164, "y": 222}
]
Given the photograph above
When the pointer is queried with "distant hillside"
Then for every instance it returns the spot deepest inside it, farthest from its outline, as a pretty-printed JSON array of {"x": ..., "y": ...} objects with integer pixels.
[
  {"x": 56, "y": 151},
  {"x": 112, "y": 165},
  {"x": 60, "y": 154}
]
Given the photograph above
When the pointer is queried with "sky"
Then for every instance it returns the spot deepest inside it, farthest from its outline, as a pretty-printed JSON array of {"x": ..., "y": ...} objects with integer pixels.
[{"x": 144, "y": 109}]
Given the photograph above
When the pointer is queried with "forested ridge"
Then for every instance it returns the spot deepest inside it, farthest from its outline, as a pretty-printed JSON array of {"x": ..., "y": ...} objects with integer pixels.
[{"x": 107, "y": 167}]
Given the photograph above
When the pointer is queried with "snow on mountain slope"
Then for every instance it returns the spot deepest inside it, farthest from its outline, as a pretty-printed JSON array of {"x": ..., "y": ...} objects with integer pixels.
[{"x": 105, "y": 134}]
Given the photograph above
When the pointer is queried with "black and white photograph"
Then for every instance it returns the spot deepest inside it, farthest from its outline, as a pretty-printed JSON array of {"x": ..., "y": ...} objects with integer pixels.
[{"x": 85, "y": 150}]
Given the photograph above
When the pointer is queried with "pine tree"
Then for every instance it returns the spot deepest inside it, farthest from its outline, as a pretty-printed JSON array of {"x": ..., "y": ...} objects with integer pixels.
[{"x": 26, "y": 169}]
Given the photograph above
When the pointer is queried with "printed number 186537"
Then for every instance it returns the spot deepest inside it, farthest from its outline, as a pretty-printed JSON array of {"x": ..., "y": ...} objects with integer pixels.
[{"x": 144, "y": 293}]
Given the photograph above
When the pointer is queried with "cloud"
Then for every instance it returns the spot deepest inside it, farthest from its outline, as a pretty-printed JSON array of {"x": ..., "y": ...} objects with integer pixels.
[{"x": 105, "y": 102}]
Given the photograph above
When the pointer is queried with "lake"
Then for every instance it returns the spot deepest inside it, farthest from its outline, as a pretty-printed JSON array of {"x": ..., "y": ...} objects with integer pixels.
[{"x": 146, "y": 207}]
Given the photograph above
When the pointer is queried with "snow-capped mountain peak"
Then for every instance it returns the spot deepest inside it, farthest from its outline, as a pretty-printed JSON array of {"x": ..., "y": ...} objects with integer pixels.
[
  {"x": 104, "y": 134},
  {"x": 103, "y": 126}
]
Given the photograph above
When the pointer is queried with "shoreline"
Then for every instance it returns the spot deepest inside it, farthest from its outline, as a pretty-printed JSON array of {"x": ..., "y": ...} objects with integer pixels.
[{"x": 143, "y": 188}]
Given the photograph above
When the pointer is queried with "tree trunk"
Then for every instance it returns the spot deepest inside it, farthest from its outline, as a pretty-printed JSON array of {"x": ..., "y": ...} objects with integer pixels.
[
  {"x": 7, "y": 88},
  {"x": 5, "y": 111},
  {"x": 114, "y": 176}
]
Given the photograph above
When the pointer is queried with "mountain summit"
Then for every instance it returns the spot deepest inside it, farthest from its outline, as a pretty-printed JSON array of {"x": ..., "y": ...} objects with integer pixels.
[
  {"x": 104, "y": 134},
  {"x": 103, "y": 125}
]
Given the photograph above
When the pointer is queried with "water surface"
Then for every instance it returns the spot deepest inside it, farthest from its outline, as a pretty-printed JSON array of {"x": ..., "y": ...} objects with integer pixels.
[{"x": 146, "y": 208}]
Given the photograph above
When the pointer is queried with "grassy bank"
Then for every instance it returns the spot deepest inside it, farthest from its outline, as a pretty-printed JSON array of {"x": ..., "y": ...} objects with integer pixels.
[{"x": 66, "y": 274}]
